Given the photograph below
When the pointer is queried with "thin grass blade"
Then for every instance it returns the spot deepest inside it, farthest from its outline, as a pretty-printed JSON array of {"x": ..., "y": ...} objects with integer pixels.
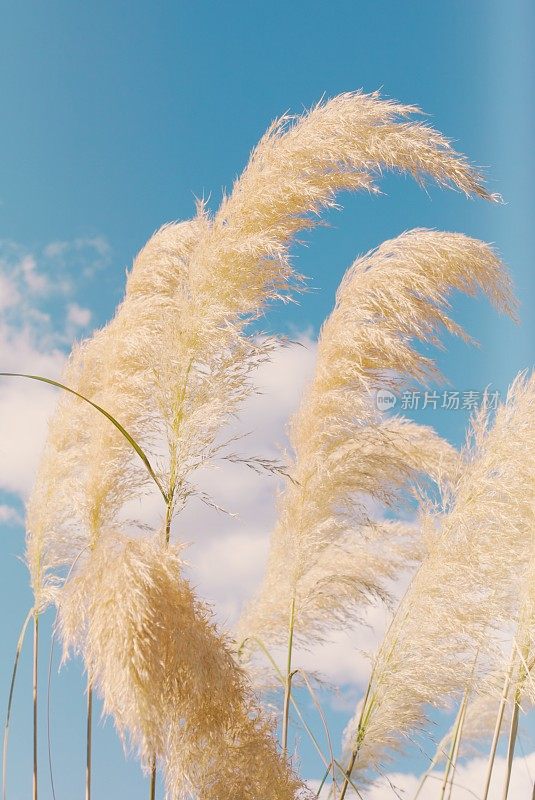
[
  {"x": 10, "y": 699},
  {"x": 103, "y": 411}
]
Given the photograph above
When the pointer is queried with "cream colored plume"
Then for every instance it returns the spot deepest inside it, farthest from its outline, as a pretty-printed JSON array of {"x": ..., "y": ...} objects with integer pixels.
[
  {"x": 325, "y": 552},
  {"x": 174, "y": 362},
  {"x": 88, "y": 470},
  {"x": 467, "y": 592},
  {"x": 166, "y": 676},
  {"x": 171, "y": 367},
  {"x": 298, "y": 168}
]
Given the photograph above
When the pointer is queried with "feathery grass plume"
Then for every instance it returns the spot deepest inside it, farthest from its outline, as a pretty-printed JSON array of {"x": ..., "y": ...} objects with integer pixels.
[
  {"x": 297, "y": 169},
  {"x": 194, "y": 286},
  {"x": 175, "y": 360},
  {"x": 324, "y": 551},
  {"x": 88, "y": 470},
  {"x": 466, "y": 592},
  {"x": 242, "y": 261},
  {"x": 244, "y": 762},
  {"x": 166, "y": 675}
]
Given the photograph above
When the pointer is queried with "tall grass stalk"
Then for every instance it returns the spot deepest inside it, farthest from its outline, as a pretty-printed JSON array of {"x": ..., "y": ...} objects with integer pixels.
[
  {"x": 169, "y": 499},
  {"x": 349, "y": 770},
  {"x": 48, "y": 704},
  {"x": 498, "y": 726},
  {"x": 359, "y": 735},
  {"x": 513, "y": 729},
  {"x": 457, "y": 737},
  {"x": 280, "y": 675},
  {"x": 167, "y": 533},
  {"x": 89, "y": 740},
  {"x": 321, "y": 714},
  {"x": 288, "y": 680},
  {"x": 35, "y": 699},
  {"x": 451, "y": 762},
  {"x": 152, "y": 786},
  {"x": 322, "y": 782},
  {"x": 454, "y": 737},
  {"x": 20, "y": 642}
]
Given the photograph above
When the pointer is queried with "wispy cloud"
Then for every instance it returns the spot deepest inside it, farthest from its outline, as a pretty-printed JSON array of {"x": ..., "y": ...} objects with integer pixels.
[
  {"x": 41, "y": 287},
  {"x": 9, "y": 515},
  {"x": 37, "y": 282},
  {"x": 87, "y": 254},
  {"x": 469, "y": 781},
  {"x": 78, "y": 316},
  {"x": 39, "y": 318},
  {"x": 9, "y": 293}
]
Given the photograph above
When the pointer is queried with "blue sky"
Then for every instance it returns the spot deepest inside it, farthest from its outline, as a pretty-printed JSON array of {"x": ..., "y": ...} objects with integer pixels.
[{"x": 117, "y": 115}]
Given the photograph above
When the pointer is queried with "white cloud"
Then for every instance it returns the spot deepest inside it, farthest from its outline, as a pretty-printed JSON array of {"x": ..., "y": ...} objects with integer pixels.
[
  {"x": 55, "y": 249},
  {"x": 241, "y": 542},
  {"x": 9, "y": 515},
  {"x": 25, "y": 407},
  {"x": 34, "y": 280},
  {"x": 97, "y": 243},
  {"x": 31, "y": 287},
  {"x": 229, "y": 568},
  {"x": 85, "y": 254},
  {"x": 78, "y": 316},
  {"x": 36, "y": 330},
  {"x": 9, "y": 294},
  {"x": 469, "y": 782}
]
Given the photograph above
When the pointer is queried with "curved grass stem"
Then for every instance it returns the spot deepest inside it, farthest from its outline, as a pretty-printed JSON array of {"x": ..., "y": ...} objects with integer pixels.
[
  {"x": 102, "y": 411},
  {"x": 288, "y": 680}
]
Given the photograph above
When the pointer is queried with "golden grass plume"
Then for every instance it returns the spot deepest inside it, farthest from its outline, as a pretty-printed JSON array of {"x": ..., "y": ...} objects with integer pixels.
[
  {"x": 467, "y": 592},
  {"x": 325, "y": 551},
  {"x": 166, "y": 676}
]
